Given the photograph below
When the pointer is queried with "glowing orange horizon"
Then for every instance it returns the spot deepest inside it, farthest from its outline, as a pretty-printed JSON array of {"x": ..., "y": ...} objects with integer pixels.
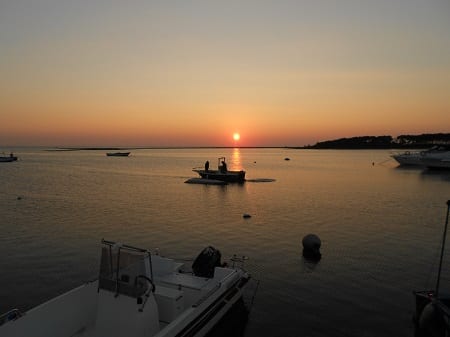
[{"x": 290, "y": 86}]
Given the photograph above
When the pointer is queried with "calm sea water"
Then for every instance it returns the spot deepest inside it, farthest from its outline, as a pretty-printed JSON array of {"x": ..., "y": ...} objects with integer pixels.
[{"x": 380, "y": 227}]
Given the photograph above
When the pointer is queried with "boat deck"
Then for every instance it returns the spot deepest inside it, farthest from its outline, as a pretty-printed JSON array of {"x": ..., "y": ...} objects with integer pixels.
[{"x": 182, "y": 280}]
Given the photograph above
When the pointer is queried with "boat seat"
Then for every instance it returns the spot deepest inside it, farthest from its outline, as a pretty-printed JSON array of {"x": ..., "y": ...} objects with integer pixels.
[{"x": 170, "y": 303}]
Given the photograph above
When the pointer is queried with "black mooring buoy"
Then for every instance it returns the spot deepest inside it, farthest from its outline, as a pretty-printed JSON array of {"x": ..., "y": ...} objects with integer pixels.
[{"x": 311, "y": 247}]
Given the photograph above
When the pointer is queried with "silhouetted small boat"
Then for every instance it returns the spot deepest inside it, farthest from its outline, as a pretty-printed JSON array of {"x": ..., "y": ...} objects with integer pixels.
[
  {"x": 222, "y": 173},
  {"x": 118, "y": 154},
  {"x": 8, "y": 159}
]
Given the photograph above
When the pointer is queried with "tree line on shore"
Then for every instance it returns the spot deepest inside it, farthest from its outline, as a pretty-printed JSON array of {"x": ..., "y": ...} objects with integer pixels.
[{"x": 425, "y": 140}]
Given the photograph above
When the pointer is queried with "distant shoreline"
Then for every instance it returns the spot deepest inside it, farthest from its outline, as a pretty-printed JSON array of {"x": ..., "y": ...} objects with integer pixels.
[
  {"x": 307, "y": 147},
  {"x": 164, "y": 148},
  {"x": 422, "y": 141}
]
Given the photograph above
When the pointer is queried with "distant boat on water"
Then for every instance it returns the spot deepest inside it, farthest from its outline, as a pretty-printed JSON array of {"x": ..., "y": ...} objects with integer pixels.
[
  {"x": 118, "y": 154},
  {"x": 222, "y": 173},
  {"x": 8, "y": 159}
]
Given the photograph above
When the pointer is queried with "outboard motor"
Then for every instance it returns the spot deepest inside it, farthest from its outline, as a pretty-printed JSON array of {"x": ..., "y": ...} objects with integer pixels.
[{"x": 206, "y": 261}]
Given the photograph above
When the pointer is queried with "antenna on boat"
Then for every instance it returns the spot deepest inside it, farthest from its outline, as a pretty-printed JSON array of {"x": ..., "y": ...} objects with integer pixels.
[{"x": 442, "y": 249}]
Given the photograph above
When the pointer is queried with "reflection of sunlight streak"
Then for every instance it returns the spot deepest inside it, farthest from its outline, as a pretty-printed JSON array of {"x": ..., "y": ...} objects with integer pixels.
[{"x": 235, "y": 161}]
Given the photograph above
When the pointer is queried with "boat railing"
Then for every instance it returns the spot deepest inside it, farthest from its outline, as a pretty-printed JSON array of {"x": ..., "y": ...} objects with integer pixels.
[{"x": 230, "y": 275}]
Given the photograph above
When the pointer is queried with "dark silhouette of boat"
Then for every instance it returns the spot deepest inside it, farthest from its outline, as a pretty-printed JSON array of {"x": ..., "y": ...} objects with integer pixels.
[
  {"x": 222, "y": 173},
  {"x": 118, "y": 154},
  {"x": 8, "y": 159}
]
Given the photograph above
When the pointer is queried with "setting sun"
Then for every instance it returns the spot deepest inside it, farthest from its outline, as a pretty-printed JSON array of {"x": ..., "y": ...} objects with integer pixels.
[{"x": 236, "y": 136}]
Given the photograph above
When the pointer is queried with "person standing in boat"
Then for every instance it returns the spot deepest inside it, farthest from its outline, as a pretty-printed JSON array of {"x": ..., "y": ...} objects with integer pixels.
[
  {"x": 207, "y": 166},
  {"x": 223, "y": 167}
]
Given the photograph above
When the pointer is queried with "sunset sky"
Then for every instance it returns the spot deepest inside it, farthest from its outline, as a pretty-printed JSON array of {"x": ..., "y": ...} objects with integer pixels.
[{"x": 193, "y": 73}]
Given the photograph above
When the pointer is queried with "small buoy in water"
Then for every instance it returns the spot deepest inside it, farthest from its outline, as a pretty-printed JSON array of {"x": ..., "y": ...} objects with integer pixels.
[
  {"x": 311, "y": 247},
  {"x": 287, "y": 158},
  {"x": 246, "y": 216}
]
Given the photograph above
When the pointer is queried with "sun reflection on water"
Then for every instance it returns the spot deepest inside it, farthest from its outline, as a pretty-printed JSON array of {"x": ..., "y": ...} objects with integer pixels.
[{"x": 235, "y": 160}]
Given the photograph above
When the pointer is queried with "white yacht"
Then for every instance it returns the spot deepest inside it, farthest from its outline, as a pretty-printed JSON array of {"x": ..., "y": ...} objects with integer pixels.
[
  {"x": 138, "y": 294},
  {"x": 418, "y": 158}
]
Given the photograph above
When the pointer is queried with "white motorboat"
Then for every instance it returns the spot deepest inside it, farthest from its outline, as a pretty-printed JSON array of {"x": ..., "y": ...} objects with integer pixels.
[
  {"x": 138, "y": 294},
  {"x": 417, "y": 158}
]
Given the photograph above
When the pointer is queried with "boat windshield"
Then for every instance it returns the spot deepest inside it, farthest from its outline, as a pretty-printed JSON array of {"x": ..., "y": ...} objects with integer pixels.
[{"x": 124, "y": 269}]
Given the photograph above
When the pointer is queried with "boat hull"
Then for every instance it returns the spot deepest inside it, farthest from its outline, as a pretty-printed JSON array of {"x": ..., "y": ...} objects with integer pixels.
[
  {"x": 209, "y": 314},
  {"x": 7, "y": 159},
  {"x": 443, "y": 164},
  {"x": 118, "y": 154},
  {"x": 228, "y": 176},
  {"x": 408, "y": 159},
  {"x": 423, "y": 158}
]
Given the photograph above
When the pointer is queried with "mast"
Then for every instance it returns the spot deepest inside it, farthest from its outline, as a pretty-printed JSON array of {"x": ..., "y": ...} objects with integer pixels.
[{"x": 442, "y": 250}]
